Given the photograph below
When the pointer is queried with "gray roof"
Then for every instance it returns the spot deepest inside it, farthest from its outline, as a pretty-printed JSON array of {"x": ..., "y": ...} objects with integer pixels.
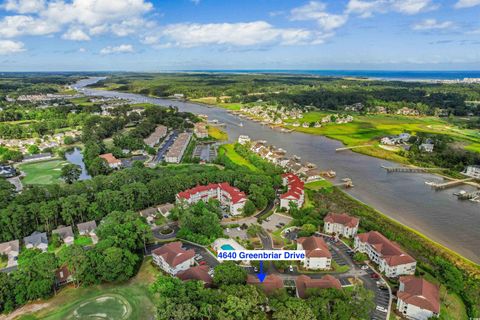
[
  {"x": 64, "y": 232},
  {"x": 36, "y": 238},
  {"x": 88, "y": 226},
  {"x": 13, "y": 245}
]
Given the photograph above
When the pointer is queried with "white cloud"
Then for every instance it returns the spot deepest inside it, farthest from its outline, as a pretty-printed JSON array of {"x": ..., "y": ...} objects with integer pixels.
[
  {"x": 75, "y": 34},
  {"x": 235, "y": 34},
  {"x": 14, "y": 26},
  {"x": 367, "y": 8},
  {"x": 432, "y": 24},
  {"x": 24, "y": 6},
  {"x": 316, "y": 11},
  {"x": 467, "y": 3},
  {"x": 123, "y": 48},
  {"x": 9, "y": 47}
]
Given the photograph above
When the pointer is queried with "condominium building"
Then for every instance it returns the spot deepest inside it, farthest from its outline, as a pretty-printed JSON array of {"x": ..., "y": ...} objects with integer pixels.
[
  {"x": 317, "y": 254},
  {"x": 388, "y": 255},
  {"x": 176, "y": 151},
  {"x": 417, "y": 298},
  {"x": 159, "y": 133},
  {"x": 295, "y": 193},
  {"x": 172, "y": 258},
  {"x": 341, "y": 225},
  {"x": 304, "y": 283},
  {"x": 230, "y": 197}
]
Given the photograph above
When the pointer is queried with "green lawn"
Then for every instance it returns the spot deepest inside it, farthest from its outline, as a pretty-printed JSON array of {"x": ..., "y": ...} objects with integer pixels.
[
  {"x": 130, "y": 300},
  {"x": 217, "y": 133},
  {"x": 318, "y": 185},
  {"x": 83, "y": 241},
  {"x": 45, "y": 172},
  {"x": 213, "y": 101},
  {"x": 229, "y": 151}
]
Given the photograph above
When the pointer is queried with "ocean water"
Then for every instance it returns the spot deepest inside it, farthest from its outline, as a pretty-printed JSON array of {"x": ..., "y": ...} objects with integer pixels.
[{"x": 375, "y": 74}]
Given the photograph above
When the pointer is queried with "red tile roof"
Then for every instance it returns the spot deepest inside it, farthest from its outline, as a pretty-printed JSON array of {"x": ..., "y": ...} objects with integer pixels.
[
  {"x": 295, "y": 187},
  {"x": 343, "y": 218},
  {"x": 110, "y": 158},
  {"x": 390, "y": 251},
  {"x": 196, "y": 273},
  {"x": 304, "y": 283},
  {"x": 174, "y": 254},
  {"x": 234, "y": 193},
  {"x": 315, "y": 247},
  {"x": 420, "y": 293},
  {"x": 270, "y": 284}
]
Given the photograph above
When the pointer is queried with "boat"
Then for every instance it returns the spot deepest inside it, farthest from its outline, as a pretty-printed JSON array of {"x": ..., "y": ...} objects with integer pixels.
[{"x": 240, "y": 124}]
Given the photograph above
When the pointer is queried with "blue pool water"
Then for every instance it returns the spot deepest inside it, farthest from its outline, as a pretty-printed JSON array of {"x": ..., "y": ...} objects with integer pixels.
[{"x": 227, "y": 247}]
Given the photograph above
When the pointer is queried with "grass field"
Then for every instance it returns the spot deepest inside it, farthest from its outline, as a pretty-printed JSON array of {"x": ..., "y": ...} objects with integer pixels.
[
  {"x": 45, "y": 172},
  {"x": 217, "y": 133},
  {"x": 130, "y": 300},
  {"x": 318, "y": 185},
  {"x": 229, "y": 151},
  {"x": 213, "y": 101},
  {"x": 83, "y": 241}
]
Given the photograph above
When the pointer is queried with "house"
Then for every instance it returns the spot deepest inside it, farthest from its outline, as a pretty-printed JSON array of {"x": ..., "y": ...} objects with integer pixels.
[
  {"x": 417, "y": 298},
  {"x": 165, "y": 209},
  {"x": 270, "y": 284},
  {"x": 295, "y": 192},
  {"x": 427, "y": 147},
  {"x": 242, "y": 139},
  {"x": 472, "y": 171},
  {"x": 37, "y": 157},
  {"x": 388, "y": 141},
  {"x": 88, "y": 229},
  {"x": 199, "y": 273},
  {"x": 341, "y": 224},
  {"x": 304, "y": 283},
  {"x": 317, "y": 254},
  {"x": 11, "y": 249},
  {"x": 150, "y": 214},
  {"x": 37, "y": 240},
  {"x": 63, "y": 276},
  {"x": 177, "y": 149},
  {"x": 112, "y": 162},
  {"x": 230, "y": 197},
  {"x": 389, "y": 257},
  {"x": 66, "y": 234},
  {"x": 172, "y": 258}
]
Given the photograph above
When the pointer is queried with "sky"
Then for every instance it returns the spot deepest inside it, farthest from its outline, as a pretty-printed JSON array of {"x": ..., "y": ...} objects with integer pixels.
[{"x": 141, "y": 35}]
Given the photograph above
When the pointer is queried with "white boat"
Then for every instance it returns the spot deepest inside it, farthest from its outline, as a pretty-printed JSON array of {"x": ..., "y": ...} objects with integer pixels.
[{"x": 240, "y": 124}]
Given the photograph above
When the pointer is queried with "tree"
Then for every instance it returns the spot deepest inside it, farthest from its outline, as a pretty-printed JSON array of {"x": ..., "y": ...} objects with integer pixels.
[
  {"x": 33, "y": 149},
  {"x": 360, "y": 257},
  {"x": 71, "y": 173},
  {"x": 98, "y": 166},
  {"x": 289, "y": 308},
  {"x": 55, "y": 240},
  {"x": 116, "y": 264},
  {"x": 249, "y": 208},
  {"x": 308, "y": 229},
  {"x": 228, "y": 273}
]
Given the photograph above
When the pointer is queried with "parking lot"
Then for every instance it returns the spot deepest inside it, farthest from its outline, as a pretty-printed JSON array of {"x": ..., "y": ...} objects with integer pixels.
[
  {"x": 205, "y": 151},
  {"x": 236, "y": 232},
  {"x": 275, "y": 222},
  {"x": 165, "y": 146}
]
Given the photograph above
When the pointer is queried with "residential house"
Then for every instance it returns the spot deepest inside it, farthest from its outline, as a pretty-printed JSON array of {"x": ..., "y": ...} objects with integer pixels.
[
  {"x": 172, "y": 258},
  {"x": 295, "y": 193},
  {"x": 270, "y": 284},
  {"x": 426, "y": 147},
  {"x": 165, "y": 209},
  {"x": 317, "y": 254},
  {"x": 388, "y": 255},
  {"x": 199, "y": 273},
  {"x": 66, "y": 234},
  {"x": 341, "y": 224},
  {"x": 37, "y": 240},
  {"x": 7, "y": 171},
  {"x": 88, "y": 229},
  {"x": 304, "y": 283},
  {"x": 312, "y": 175},
  {"x": 150, "y": 214},
  {"x": 11, "y": 249},
  {"x": 242, "y": 139},
  {"x": 112, "y": 162},
  {"x": 63, "y": 276},
  {"x": 417, "y": 298},
  {"x": 472, "y": 171},
  {"x": 230, "y": 197}
]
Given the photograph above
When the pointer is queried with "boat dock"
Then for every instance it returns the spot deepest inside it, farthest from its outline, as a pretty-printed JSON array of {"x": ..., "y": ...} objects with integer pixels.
[
  {"x": 354, "y": 147},
  {"x": 410, "y": 169},
  {"x": 469, "y": 195}
]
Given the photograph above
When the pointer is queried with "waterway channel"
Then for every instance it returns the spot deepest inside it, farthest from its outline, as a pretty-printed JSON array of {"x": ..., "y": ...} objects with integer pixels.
[{"x": 402, "y": 196}]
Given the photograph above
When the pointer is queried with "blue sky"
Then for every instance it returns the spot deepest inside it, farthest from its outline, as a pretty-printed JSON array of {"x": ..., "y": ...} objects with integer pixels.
[{"x": 141, "y": 35}]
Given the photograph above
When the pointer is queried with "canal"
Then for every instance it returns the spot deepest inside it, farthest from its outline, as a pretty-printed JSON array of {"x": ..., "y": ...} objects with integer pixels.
[{"x": 402, "y": 196}]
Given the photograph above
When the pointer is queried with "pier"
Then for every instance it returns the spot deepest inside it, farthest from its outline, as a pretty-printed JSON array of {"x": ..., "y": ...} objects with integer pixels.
[
  {"x": 469, "y": 195},
  {"x": 449, "y": 184},
  {"x": 354, "y": 147},
  {"x": 410, "y": 169}
]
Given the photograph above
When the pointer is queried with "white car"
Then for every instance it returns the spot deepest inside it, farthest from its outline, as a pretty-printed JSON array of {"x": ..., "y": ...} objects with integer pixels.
[
  {"x": 382, "y": 309},
  {"x": 364, "y": 267},
  {"x": 290, "y": 268}
]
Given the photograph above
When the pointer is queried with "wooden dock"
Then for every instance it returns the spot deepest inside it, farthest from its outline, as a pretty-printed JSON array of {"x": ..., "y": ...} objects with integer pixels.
[
  {"x": 354, "y": 147},
  {"x": 410, "y": 169},
  {"x": 469, "y": 195},
  {"x": 449, "y": 184}
]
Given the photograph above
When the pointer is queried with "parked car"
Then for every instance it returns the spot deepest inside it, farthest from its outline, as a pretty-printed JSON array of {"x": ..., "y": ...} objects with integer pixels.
[
  {"x": 382, "y": 309},
  {"x": 203, "y": 262},
  {"x": 364, "y": 267},
  {"x": 282, "y": 224},
  {"x": 255, "y": 269},
  {"x": 374, "y": 276}
]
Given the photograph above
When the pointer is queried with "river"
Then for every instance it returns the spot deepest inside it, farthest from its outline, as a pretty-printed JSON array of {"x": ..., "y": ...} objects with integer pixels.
[{"x": 402, "y": 196}]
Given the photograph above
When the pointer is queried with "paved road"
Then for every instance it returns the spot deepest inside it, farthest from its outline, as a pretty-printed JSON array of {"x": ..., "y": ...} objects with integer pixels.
[
  {"x": 158, "y": 234},
  {"x": 165, "y": 146}
]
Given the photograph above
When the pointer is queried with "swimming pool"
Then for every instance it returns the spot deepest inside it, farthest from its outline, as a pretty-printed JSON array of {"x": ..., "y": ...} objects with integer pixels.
[{"x": 227, "y": 247}]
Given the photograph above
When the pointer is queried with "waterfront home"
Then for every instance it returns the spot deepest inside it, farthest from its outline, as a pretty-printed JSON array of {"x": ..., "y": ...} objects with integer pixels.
[
  {"x": 243, "y": 139},
  {"x": 112, "y": 162},
  {"x": 417, "y": 298},
  {"x": 303, "y": 283},
  {"x": 270, "y": 284},
  {"x": 88, "y": 229},
  {"x": 295, "y": 191},
  {"x": 472, "y": 171},
  {"x": 199, "y": 273},
  {"x": 37, "y": 240},
  {"x": 388, "y": 255},
  {"x": 426, "y": 147},
  {"x": 11, "y": 249},
  {"x": 317, "y": 254},
  {"x": 172, "y": 258},
  {"x": 65, "y": 234},
  {"x": 312, "y": 175},
  {"x": 341, "y": 225},
  {"x": 230, "y": 197}
]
